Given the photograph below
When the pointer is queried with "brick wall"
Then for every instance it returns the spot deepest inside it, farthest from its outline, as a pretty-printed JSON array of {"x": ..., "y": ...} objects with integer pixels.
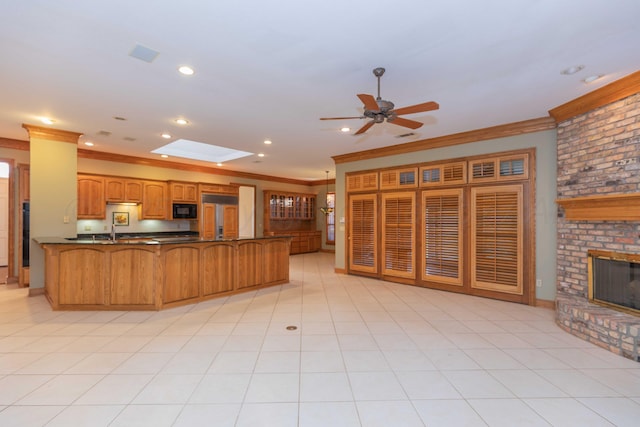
[{"x": 598, "y": 154}]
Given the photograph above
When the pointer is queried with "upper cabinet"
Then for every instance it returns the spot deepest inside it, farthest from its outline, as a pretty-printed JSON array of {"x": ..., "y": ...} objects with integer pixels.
[
  {"x": 122, "y": 190},
  {"x": 154, "y": 200},
  {"x": 290, "y": 206},
  {"x": 183, "y": 192},
  {"x": 91, "y": 201}
]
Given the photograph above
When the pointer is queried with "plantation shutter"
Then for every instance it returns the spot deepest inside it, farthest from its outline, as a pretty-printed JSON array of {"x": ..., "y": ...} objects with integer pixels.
[
  {"x": 496, "y": 230},
  {"x": 443, "y": 234},
  {"x": 363, "y": 233},
  {"x": 398, "y": 241}
]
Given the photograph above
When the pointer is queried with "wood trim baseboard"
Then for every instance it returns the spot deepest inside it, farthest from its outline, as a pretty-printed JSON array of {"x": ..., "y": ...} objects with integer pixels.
[
  {"x": 340, "y": 270},
  {"x": 544, "y": 303},
  {"x": 36, "y": 291},
  {"x": 615, "y": 91}
]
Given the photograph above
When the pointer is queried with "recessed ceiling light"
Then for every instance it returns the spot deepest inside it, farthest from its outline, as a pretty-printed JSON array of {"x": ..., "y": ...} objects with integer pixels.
[
  {"x": 166, "y": 135},
  {"x": 572, "y": 70},
  {"x": 186, "y": 70},
  {"x": 182, "y": 121},
  {"x": 267, "y": 141},
  {"x": 219, "y": 164},
  {"x": 88, "y": 143},
  {"x": 260, "y": 154},
  {"x": 164, "y": 156},
  {"x": 593, "y": 78},
  {"x": 345, "y": 129},
  {"x": 47, "y": 121}
]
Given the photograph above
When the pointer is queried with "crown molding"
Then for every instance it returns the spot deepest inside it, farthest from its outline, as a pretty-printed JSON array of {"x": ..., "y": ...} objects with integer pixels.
[
  {"x": 501, "y": 131},
  {"x": 52, "y": 134},
  {"x": 615, "y": 91}
]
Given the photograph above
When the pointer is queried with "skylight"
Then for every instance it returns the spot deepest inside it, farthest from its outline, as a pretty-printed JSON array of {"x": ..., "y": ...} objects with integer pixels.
[{"x": 200, "y": 151}]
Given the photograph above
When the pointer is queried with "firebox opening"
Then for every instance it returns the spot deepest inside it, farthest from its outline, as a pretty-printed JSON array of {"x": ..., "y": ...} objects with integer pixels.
[{"x": 614, "y": 280}]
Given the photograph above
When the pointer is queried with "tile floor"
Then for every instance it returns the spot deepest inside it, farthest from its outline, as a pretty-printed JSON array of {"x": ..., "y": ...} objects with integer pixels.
[{"x": 366, "y": 353}]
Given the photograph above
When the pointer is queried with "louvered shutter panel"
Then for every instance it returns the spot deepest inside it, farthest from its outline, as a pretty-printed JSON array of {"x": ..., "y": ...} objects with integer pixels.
[
  {"x": 496, "y": 228},
  {"x": 443, "y": 234},
  {"x": 454, "y": 173},
  {"x": 398, "y": 222},
  {"x": 363, "y": 233},
  {"x": 483, "y": 170}
]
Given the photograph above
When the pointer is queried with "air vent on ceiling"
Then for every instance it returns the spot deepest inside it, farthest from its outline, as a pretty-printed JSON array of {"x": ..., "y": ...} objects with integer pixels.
[
  {"x": 144, "y": 53},
  {"x": 128, "y": 138},
  {"x": 404, "y": 135},
  {"x": 104, "y": 133}
]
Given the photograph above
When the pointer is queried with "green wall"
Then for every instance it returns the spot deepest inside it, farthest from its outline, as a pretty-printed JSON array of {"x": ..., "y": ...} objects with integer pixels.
[{"x": 546, "y": 211}]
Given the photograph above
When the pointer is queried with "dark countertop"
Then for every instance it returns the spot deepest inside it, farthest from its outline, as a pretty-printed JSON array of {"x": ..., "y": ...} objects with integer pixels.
[{"x": 136, "y": 240}]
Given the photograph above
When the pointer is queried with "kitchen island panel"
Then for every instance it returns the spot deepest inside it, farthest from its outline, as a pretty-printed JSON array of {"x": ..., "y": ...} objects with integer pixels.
[
  {"x": 218, "y": 268},
  {"x": 250, "y": 260},
  {"x": 181, "y": 275},
  {"x": 82, "y": 277},
  {"x": 133, "y": 276}
]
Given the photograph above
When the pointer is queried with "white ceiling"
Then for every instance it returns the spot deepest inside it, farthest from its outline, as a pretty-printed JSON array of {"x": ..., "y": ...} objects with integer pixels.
[{"x": 271, "y": 69}]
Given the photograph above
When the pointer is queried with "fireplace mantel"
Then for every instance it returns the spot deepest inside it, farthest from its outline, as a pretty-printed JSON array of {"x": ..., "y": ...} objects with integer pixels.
[{"x": 610, "y": 207}]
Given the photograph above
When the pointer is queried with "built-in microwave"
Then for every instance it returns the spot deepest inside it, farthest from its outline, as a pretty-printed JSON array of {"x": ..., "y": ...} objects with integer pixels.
[{"x": 185, "y": 211}]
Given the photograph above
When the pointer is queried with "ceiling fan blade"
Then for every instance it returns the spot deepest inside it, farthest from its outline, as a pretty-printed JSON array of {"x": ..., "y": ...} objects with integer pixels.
[
  {"x": 412, "y": 124},
  {"x": 418, "y": 108},
  {"x": 364, "y": 128},
  {"x": 341, "y": 118},
  {"x": 369, "y": 102}
]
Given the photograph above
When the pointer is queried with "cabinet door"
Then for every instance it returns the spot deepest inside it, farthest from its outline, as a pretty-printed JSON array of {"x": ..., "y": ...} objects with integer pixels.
[
  {"x": 363, "y": 233},
  {"x": 230, "y": 222},
  {"x": 114, "y": 189},
  {"x": 133, "y": 191},
  {"x": 154, "y": 200},
  {"x": 398, "y": 234},
  {"x": 208, "y": 221},
  {"x": 184, "y": 192},
  {"x": 91, "y": 202}
]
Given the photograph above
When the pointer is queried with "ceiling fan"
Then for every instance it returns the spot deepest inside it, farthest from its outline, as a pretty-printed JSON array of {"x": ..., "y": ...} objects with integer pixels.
[{"x": 378, "y": 109}]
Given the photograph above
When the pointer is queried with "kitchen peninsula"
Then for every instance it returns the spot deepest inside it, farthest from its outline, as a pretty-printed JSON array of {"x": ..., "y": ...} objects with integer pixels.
[{"x": 153, "y": 274}]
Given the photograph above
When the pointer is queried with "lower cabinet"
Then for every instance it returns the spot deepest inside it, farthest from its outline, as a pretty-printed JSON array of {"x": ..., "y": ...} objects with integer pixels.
[
  {"x": 152, "y": 277},
  {"x": 302, "y": 241}
]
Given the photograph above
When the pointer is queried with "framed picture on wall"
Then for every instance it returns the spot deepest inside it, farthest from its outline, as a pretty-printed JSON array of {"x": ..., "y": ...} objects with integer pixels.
[{"x": 121, "y": 218}]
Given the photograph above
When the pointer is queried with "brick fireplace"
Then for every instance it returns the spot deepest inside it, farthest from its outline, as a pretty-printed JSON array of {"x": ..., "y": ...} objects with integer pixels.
[{"x": 599, "y": 194}]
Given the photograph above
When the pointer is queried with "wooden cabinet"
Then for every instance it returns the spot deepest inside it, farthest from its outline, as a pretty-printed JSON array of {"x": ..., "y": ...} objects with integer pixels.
[
  {"x": 91, "y": 201},
  {"x": 122, "y": 190},
  {"x": 230, "y": 228},
  {"x": 25, "y": 193},
  {"x": 183, "y": 192},
  {"x": 302, "y": 241},
  {"x": 154, "y": 200},
  {"x": 290, "y": 206}
]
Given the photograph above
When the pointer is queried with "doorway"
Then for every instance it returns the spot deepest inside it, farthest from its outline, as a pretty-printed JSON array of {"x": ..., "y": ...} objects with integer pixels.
[{"x": 6, "y": 222}]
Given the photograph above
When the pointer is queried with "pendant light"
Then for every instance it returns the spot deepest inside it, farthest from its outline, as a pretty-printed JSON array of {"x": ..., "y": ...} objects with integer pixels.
[{"x": 326, "y": 209}]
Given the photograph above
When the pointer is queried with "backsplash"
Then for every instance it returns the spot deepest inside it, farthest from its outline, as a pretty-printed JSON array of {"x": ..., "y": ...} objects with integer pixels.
[{"x": 94, "y": 226}]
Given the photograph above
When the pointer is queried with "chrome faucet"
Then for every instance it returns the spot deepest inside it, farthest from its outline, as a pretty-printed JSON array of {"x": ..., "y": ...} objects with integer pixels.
[{"x": 113, "y": 232}]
